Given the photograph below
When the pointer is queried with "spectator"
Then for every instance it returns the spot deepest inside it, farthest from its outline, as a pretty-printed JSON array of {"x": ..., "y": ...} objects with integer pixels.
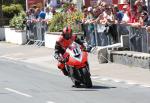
[
  {"x": 42, "y": 14},
  {"x": 29, "y": 25},
  {"x": 133, "y": 16},
  {"x": 49, "y": 14},
  {"x": 36, "y": 13},
  {"x": 89, "y": 21},
  {"x": 109, "y": 15},
  {"x": 125, "y": 18},
  {"x": 53, "y": 3},
  {"x": 144, "y": 15},
  {"x": 139, "y": 6},
  {"x": 71, "y": 8},
  {"x": 84, "y": 26},
  {"x": 53, "y": 10},
  {"x": 118, "y": 15}
]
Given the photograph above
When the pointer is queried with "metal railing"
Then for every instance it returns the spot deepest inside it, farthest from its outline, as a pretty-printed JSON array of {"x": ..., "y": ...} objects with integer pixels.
[
  {"x": 104, "y": 35},
  {"x": 35, "y": 32},
  {"x": 139, "y": 40},
  {"x": 101, "y": 35}
]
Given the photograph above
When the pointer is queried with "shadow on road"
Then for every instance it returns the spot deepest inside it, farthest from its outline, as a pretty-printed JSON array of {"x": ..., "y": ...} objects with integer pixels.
[
  {"x": 102, "y": 87},
  {"x": 94, "y": 88}
]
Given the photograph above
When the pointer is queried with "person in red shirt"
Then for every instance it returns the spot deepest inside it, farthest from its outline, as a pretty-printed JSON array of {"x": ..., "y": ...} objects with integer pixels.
[{"x": 133, "y": 17}]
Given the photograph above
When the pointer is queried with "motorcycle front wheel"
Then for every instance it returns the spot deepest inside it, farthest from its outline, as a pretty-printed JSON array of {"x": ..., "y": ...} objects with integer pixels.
[
  {"x": 86, "y": 78},
  {"x": 74, "y": 77}
]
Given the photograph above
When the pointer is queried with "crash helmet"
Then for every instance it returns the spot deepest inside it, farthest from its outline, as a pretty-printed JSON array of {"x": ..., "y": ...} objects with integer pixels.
[{"x": 67, "y": 32}]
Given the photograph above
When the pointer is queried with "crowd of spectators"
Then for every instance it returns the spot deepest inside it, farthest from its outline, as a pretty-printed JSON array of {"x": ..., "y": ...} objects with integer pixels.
[
  {"x": 135, "y": 15},
  {"x": 104, "y": 12},
  {"x": 36, "y": 14}
]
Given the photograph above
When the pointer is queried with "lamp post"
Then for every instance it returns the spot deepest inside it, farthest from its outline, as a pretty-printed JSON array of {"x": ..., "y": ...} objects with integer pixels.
[
  {"x": 26, "y": 5},
  {"x": 148, "y": 4},
  {"x": 1, "y": 13}
]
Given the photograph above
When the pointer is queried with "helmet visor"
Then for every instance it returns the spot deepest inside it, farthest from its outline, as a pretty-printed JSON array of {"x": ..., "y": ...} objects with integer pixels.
[{"x": 67, "y": 36}]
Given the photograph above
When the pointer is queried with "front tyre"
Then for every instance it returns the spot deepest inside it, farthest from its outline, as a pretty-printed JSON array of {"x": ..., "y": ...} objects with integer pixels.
[
  {"x": 86, "y": 78},
  {"x": 74, "y": 77}
]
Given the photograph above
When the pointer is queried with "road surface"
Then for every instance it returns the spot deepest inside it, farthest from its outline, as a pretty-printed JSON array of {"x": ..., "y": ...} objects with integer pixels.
[{"x": 22, "y": 82}]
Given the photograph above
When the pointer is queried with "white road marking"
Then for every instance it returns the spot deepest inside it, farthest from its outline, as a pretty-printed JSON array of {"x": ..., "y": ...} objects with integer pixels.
[
  {"x": 95, "y": 77},
  {"x": 105, "y": 79},
  {"x": 117, "y": 80},
  {"x": 147, "y": 86},
  {"x": 132, "y": 83},
  {"x": 17, "y": 92},
  {"x": 50, "y": 102},
  {"x": 98, "y": 79}
]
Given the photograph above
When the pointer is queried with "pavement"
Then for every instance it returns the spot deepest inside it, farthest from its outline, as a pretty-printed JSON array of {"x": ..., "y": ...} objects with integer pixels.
[{"x": 43, "y": 57}]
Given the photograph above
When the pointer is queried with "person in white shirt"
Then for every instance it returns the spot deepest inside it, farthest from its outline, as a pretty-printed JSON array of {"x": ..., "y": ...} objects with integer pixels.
[{"x": 49, "y": 14}]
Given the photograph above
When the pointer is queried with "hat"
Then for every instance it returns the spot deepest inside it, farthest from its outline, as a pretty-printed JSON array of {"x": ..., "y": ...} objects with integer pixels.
[
  {"x": 89, "y": 8},
  {"x": 125, "y": 6}
]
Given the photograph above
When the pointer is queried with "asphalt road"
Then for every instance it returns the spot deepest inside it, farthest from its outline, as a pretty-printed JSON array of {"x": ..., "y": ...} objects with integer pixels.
[{"x": 26, "y": 83}]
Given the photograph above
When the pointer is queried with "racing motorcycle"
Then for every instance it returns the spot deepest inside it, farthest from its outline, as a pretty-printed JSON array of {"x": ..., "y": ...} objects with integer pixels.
[{"x": 77, "y": 65}]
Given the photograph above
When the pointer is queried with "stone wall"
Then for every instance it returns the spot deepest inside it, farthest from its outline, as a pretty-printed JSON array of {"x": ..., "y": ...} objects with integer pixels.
[
  {"x": 2, "y": 34},
  {"x": 131, "y": 58}
]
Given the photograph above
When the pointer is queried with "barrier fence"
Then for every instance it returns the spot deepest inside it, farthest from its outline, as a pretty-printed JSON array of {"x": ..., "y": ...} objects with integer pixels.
[
  {"x": 139, "y": 38},
  {"x": 35, "y": 32},
  {"x": 99, "y": 35}
]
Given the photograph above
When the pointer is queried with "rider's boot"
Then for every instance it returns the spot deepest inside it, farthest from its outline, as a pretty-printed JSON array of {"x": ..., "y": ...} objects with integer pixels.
[
  {"x": 65, "y": 72},
  {"x": 61, "y": 66}
]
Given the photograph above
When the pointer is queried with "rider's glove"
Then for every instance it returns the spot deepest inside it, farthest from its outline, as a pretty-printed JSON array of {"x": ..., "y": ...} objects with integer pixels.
[
  {"x": 61, "y": 60},
  {"x": 83, "y": 47}
]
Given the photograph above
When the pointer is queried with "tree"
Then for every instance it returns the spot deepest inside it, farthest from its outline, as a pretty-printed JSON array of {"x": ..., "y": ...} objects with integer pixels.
[{"x": 8, "y": 2}]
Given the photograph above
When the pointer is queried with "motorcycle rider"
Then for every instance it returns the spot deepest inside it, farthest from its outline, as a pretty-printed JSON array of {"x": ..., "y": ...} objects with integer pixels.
[{"x": 63, "y": 42}]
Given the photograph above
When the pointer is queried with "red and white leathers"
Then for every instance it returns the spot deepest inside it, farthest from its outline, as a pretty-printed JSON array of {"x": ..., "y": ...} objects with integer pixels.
[{"x": 61, "y": 45}]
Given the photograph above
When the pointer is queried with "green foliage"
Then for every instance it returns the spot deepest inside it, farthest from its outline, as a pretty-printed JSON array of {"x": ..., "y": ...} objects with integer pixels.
[
  {"x": 57, "y": 23},
  {"x": 8, "y": 2},
  {"x": 73, "y": 18},
  {"x": 60, "y": 20},
  {"x": 18, "y": 21},
  {"x": 12, "y": 22},
  {"x": 66, "y": 5},
  {"x": 10, "y": 10}
]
